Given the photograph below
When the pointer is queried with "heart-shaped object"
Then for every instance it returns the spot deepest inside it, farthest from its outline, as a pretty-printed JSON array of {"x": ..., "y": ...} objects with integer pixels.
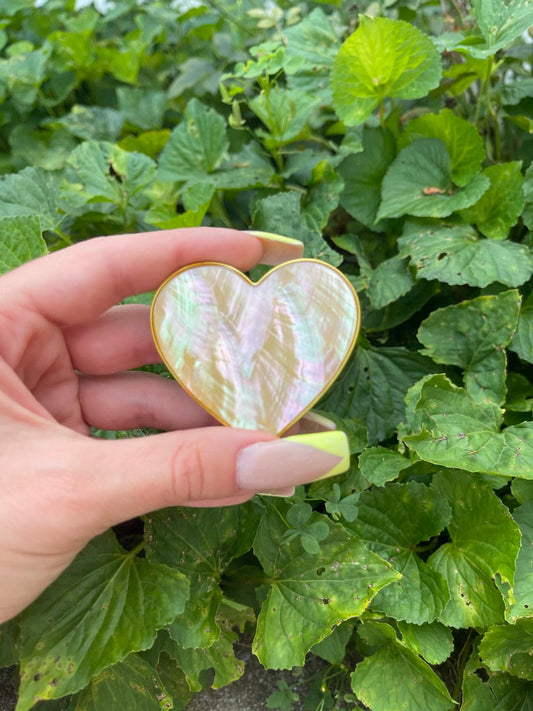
[{"x": 256, "y": 355}]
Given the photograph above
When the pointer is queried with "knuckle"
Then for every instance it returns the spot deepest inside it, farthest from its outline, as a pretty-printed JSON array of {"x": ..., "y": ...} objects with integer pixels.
[{"x": 187, "y": 474}]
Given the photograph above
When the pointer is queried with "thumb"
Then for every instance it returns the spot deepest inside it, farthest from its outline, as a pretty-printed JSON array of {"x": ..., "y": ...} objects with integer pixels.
[{"x": 204, "y": 467}]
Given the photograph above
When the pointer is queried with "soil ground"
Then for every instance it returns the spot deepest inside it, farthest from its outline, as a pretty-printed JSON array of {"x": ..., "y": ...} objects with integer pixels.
[{"x": 249, "y": 693}]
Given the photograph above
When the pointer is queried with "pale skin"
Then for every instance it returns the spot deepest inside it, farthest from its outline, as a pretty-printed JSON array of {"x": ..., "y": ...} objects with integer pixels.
[{"x": 65, "y": 349}]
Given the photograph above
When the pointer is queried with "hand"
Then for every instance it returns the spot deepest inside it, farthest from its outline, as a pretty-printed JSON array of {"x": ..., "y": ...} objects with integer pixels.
[{"x": 65, "y": 350}]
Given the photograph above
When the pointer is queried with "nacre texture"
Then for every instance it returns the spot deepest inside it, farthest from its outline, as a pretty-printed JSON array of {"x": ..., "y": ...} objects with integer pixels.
[{"x": 258, "y": 355}]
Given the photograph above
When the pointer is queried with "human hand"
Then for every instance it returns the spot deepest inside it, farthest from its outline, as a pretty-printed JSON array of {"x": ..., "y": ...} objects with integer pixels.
[{"x": 65, "y": 350}]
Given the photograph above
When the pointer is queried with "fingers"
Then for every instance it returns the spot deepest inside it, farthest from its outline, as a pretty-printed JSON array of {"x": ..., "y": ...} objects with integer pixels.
[
  {"x": 129, "y": 400},
  {"x": 127, "y": 478},
  {"x": 79, "y": 283},
  {"x": 132, "y": 477},
  {"x": 120, "y": 339}
]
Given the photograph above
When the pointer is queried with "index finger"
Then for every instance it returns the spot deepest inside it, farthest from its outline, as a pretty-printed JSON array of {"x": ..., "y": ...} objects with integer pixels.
[{"x": 81, "y": 282}]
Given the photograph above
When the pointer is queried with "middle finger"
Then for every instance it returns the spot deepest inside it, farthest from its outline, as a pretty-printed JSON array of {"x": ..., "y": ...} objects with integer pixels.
[{"x": 118, "y": 340}]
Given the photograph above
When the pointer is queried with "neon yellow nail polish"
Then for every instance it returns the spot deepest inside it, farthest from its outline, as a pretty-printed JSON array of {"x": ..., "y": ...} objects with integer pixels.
[
  {"x": 334, "y": 442},
  {"x": 293, "y": 460},
  {"x": 273, "y": 237}
]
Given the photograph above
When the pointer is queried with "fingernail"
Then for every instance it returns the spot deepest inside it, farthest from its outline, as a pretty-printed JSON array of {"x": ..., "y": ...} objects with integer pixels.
[
  {"x": 313, "y": 422},
  {"x": 278, "y": 249},
  {"x": 290, "y": 461},
  {"x": 288, "y": 491}
]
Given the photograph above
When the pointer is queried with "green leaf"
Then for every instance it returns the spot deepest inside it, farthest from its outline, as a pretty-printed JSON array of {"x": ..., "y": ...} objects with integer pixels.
[
  {"x": 193, "y": 72},
  {"x": 311, "y": 47},
  {"x": 91, "y": 123},
  {"x": 151, "y": 143},
  {"x": 20, "y": 241},
  {"x": 497, "y": 692},
  {"x": 509, "y": 648},
  {"x": 502, "y": 204},
  {"x": 144, "y": 108},
  {"x": 282, "y": 699},
  {"x": 339, "y": 507},
  {"x": 40, "y": 148},
  {"x": 419, "y": 182},
  {"x": 174, "y": 681},
  {"x": 523, "y": 582},
  {"x": 107, "y": 174},
  {"x": 479, "y": 561},
  {"x": 310, "y": 594},
  {"x": 93, "y": 616},
  {"x": 9, "y": 632},
  {"x": 456, "y": 255},
  {"x": 284, "y": 112},
  {"x": 477, "y": 694},
  {"x": 522, "y": 490},
  {"x": 432, "y": 641},
  {"x": 398, "y": 311},
  {"x": 501, "y": 22},
  {"x": 391, "y": 521},
  {"x": 131, "y": 684},
  {"x": 333, "y": 647},
  {"x": 33, "y": 191},
  {"x": 396, "y": 678},
  {"x": 363, "y": 175},
  {"x": 248, "y": 168},
  {"x": 473, "y": 335},
  {"x": 382, "y": 58},
  {"x": 460, "y": 137},
  {"x": 519, "y": 393},
  {"x": 389, "y": 281},
  {"x": 451, "y": 429},
  {"x": 219, "y": 656},
  {"x": 200, "y": 543},
  {"x": 513, "y": 92},
  {"x": 522, "y": 343},
  {"x": 322, "y": 196},
  {"x": 372, "y": 388},
  {"x": 379, "y": 465},
  {"x": 196, "y": 147},
  {"x": 23, "y": 75}
]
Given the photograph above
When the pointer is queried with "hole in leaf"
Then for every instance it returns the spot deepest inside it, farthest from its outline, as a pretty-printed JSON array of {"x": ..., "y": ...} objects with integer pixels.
[
  {"x": 320, "y": 571},
  {"x": 442, "y": 255},
  {"x": 482, "y": 674}
]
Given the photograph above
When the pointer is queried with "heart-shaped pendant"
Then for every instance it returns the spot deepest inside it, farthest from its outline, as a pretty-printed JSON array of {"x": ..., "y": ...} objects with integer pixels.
[{"x": 256, "y": 355}]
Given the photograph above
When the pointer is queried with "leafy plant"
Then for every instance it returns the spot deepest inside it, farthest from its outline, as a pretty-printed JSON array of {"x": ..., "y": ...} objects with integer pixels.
[{"x": 395, "y": 141}]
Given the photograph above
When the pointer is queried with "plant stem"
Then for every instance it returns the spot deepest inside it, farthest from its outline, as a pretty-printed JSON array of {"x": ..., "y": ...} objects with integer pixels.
[
  {"x": 138, "y": 548},
  {"x": 218, "y": 209},
  {"x": 461, "y": 664}
]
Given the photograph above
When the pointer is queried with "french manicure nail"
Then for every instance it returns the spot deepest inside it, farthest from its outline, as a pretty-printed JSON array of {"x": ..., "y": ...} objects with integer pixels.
[
  {"x": 313, "y": 422},
  {"x": 277, "y": 248},
  {"x": 290, "y": 461},
  {"x": 286, "y": 492}
]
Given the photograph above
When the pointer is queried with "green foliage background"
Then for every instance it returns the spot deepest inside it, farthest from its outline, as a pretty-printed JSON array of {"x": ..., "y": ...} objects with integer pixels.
[{"x": 395, "y": 140}]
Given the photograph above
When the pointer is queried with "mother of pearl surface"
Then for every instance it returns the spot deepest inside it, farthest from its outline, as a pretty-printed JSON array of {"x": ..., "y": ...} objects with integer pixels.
[{"x": 256, "y": 355}]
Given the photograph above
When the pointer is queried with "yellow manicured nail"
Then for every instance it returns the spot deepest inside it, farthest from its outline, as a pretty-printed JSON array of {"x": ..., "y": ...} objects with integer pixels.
[
  {"x": 294, "y": 460},
  {"x": 277, "y": 248}
]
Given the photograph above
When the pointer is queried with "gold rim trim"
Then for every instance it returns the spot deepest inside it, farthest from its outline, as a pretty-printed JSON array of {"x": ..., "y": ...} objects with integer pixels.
[{"x": 326, "y": 387}]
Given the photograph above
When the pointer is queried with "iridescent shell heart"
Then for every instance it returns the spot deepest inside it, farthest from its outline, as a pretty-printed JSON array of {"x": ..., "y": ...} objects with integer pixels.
[{"x": 256, "y": 355}]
